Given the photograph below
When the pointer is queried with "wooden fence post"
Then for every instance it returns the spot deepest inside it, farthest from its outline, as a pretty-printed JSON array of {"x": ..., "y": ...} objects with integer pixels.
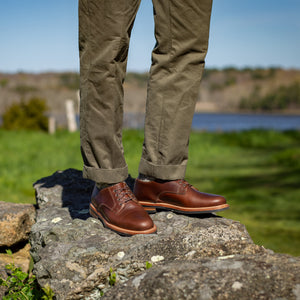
[
  {"x": 51, "y": 125},
  {"x": 71, "y": 117}
]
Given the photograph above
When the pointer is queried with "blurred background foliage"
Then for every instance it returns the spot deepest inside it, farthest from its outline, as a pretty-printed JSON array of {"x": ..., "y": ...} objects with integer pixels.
[{"x": 26, "y": 115}]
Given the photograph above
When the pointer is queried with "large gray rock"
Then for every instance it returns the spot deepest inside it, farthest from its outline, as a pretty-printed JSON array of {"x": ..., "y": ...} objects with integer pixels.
[{"x": 75, "y": 254}]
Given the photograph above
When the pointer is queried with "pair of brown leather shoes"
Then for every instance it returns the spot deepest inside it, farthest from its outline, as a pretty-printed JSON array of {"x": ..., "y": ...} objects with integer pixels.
[{"x": 126, "y": 213}]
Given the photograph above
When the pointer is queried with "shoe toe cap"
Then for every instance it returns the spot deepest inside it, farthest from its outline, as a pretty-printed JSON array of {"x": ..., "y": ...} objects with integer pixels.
[
  {"x": 218, "y": 200},
  {"x": 140, "y": 221}
]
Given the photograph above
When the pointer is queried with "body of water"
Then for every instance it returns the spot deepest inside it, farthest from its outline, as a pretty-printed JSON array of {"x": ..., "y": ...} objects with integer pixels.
[
  {"x": 229, "y": 122},
  {"x": 238, "y": 122}
]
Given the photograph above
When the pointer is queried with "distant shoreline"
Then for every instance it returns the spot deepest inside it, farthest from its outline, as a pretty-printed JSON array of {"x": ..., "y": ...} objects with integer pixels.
[{"x": 295, "y": 112}]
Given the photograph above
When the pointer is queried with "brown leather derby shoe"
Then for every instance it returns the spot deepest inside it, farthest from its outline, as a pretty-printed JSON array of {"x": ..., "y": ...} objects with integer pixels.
[
  {"x": 178, "y": 196},
  {"x": 118, "y": 209}
]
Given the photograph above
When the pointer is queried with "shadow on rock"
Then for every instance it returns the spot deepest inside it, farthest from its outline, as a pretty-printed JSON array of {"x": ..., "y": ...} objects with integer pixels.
[{"x": 67, "y": 189}]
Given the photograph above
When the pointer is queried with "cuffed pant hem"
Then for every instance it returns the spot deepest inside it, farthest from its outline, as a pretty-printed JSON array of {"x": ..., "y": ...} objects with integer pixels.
[
  {"x": 165, "y": 172},
  {"x": 105, "y": 175}
]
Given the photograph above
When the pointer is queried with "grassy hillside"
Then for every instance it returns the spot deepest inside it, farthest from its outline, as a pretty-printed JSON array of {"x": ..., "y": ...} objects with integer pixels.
[
  {"x": 257, "y": 171},
  {"x": 223, "y": 90}
]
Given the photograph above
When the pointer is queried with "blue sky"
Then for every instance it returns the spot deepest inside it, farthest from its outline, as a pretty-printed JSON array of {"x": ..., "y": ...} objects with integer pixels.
[{"x": 39, "y": 36}]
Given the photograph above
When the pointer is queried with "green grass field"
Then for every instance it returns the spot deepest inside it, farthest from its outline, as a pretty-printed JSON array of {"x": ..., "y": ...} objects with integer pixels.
[{"x": 257, "y": 171}]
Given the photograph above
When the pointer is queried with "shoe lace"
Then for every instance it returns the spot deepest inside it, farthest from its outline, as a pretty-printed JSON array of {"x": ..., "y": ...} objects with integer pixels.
[
  {"x": 185, "y": 184},
  {"x": 123, "y": 194}
]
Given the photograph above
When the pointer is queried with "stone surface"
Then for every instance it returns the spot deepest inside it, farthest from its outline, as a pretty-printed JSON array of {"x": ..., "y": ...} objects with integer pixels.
[
  {"x": 2, "y": 288},
  {"x": 215, "y": 256},
  {"x": 21, "y": 258},
  {"x": 267, "y": 276},
  {"x": 15, "y": 223}
]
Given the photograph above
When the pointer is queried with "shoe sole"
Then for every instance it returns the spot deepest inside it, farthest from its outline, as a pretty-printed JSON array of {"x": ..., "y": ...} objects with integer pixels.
[
  {"x": 150, "y": 210},
  {"x": 148, "y": 206},
  {"x": 122, "y": 231}
]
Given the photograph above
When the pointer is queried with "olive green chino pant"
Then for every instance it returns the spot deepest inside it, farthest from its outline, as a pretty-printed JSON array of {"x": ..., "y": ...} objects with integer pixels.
[{"x": 181, "y": 32}]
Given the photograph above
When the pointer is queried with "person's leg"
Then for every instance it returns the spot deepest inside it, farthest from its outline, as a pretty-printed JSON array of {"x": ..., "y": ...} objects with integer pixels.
[
  {"x": 181, "y": 31},
  {"x": 104, "y": 33}
]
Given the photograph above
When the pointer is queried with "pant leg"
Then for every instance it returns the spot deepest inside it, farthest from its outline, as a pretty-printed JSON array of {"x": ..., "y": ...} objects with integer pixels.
[
  {"x": 181, "y": 31},
  {"x": 104, "y": 32}
]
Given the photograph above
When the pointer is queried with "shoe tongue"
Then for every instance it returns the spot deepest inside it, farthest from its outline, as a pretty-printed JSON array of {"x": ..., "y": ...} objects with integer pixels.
[{"x": 124, "y": 194}]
